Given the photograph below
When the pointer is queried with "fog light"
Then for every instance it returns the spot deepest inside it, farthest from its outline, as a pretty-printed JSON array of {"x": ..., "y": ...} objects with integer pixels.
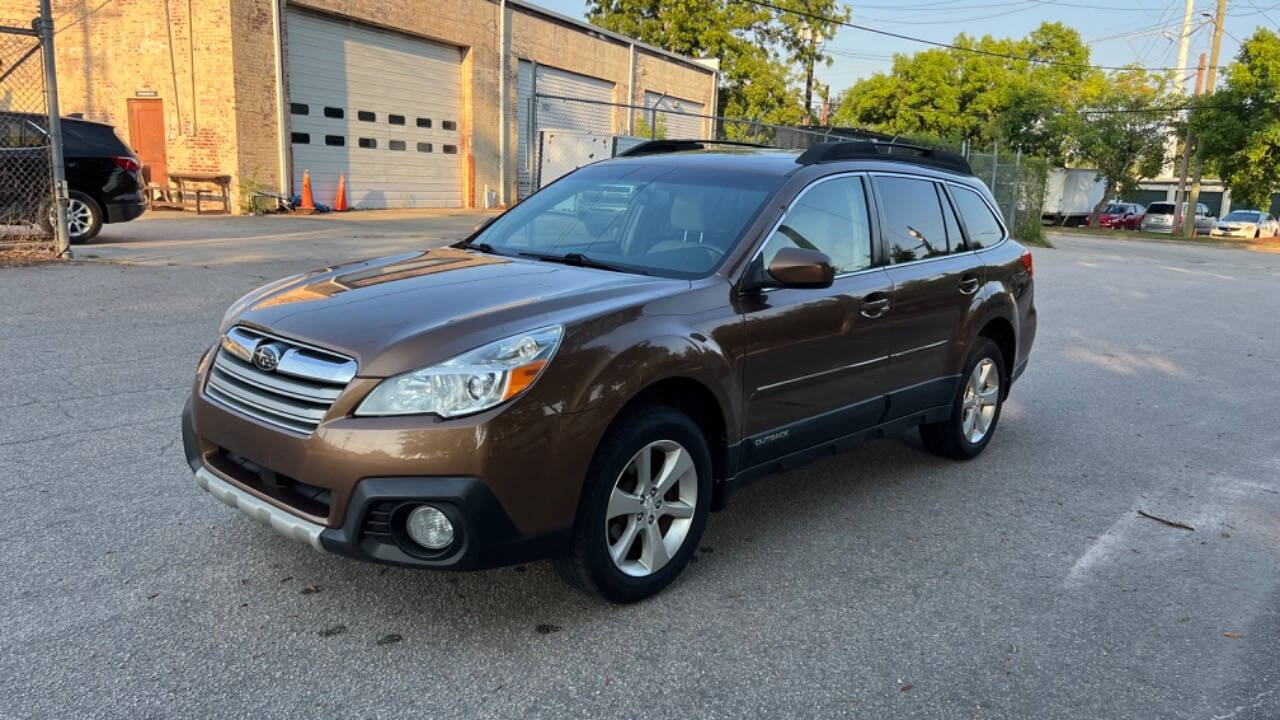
[{"x": 430, "y": 528}]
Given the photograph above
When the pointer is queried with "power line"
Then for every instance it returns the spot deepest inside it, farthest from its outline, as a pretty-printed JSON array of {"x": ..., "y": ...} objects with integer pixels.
[{"x": 950, "y": 46}]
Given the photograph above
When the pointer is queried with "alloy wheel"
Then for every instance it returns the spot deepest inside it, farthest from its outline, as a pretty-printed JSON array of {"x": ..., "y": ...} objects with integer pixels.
[
  {"x": 981, "y": 397},
  {"x": 79, "y": 218},
  {"x": 651, "y": 508}
]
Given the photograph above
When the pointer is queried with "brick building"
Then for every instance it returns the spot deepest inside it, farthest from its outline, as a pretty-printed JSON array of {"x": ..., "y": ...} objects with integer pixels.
[{"x": 403, "y": 96}]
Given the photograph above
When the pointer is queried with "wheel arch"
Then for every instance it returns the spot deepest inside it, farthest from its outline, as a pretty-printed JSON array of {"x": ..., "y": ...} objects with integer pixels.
[
  {"x": 693, "y": 398},
  {"x": 1000, "y": 330}
]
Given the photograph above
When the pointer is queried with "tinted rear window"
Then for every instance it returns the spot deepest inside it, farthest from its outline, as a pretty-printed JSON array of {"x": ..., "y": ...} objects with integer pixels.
[
  {"x": 984, "y": 229},
  {"x": 1244, "y": 216},
  {"x": 1160, "y": 209},
  {"x": 92, "y": 137}
]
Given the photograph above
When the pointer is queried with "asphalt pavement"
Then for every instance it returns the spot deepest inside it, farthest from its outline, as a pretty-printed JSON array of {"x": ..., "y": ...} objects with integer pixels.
[{"x": 882, "y": 583}]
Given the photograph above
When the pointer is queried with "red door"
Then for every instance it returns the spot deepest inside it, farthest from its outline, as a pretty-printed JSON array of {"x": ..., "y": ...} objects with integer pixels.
[{"x": 146, "y": 135}]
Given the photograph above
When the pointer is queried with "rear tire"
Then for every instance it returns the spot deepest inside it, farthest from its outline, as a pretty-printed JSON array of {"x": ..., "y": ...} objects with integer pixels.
[
  {"x": 633, "y": 534},
  {"x": 976, "y": 408},
  {"x": 84, "y": 218}
]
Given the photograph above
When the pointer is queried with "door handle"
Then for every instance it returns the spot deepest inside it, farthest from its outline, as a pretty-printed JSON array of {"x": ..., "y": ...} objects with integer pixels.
[
  {"x": 875, "y": 308},
  {"x": 969, "y": 284}
]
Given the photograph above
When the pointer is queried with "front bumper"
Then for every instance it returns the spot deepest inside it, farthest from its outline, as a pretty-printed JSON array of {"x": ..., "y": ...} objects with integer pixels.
[
  {"x": 287, "y": 524},
  {"x": 498, "y": 520},
  {"x": 1245, "y": 234}
]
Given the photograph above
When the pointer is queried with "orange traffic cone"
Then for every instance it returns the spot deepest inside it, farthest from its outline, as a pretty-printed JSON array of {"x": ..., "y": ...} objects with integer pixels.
[
  {"x": 340, "y": 201},
  {"x": 308, "y": 205}
]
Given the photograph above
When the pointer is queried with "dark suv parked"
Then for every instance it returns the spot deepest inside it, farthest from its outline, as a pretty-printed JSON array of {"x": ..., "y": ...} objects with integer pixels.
[
  {"x": 104, "y": 179},
  {"x": 590, "y": 374}
]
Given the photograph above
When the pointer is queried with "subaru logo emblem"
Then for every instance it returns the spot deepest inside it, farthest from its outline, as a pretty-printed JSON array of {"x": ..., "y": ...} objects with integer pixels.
[{"x": 266, "y": 358}]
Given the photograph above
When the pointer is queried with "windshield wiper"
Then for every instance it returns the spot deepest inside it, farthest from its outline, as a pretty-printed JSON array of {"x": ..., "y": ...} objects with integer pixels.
[
  {"x": 483, "y": 247},
  {"x": 579, "y": 260}
]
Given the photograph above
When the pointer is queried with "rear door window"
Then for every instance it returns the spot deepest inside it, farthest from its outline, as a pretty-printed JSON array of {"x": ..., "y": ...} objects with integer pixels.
[
  {"x": 983, "y": 226},
  {"x": 913, "y": 228},
  {"x": 92, "y": 137},
  {"x": 831, "y": 217}
]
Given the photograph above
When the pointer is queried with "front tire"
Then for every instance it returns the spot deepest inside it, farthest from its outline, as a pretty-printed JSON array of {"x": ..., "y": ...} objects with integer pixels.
[
  {"x": 643, "y": 509},
  {"x": 976, "y": 408}
]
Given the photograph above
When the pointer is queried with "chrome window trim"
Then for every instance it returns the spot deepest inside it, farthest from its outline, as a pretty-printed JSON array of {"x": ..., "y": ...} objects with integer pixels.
[
  {"x": 995, "y": 212},
  {"x": 929, "y": 178},
  {"x": 1005, "y": 235},
  {"x": 764, "y": 239}
]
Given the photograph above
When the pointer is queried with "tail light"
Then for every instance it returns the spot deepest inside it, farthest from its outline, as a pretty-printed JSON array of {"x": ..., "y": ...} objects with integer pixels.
[
  {"x": 126, "y": 163},
  {"x": 1028, "y": 264}
]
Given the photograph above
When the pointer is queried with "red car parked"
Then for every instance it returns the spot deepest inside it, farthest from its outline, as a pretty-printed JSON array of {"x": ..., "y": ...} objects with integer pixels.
[{"x": 1124, "y": 216}]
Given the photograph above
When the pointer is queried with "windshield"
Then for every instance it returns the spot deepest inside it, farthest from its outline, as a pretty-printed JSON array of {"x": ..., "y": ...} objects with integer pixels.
[
  {"x": 1243, "y": 216},
  {"x": 655, "y": 219},
  {"x": 1115, "y": 210}
]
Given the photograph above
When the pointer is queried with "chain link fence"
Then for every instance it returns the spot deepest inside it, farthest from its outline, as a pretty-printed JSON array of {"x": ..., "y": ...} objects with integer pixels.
[
  {"x": 563, "y": 133},
  {"x": 1018, "y": 183},
  {"x": 26, "y": 150}
]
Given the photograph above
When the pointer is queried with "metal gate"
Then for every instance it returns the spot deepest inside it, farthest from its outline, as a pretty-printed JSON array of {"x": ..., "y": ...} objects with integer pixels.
[{"x": 31, "y": 172}]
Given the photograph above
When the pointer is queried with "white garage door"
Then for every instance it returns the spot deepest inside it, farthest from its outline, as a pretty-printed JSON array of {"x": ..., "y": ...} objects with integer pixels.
[
  {"x": 677, "y": 127},
  {"x": 553, "y": 114},
  {"x": 382, "y": 108}
]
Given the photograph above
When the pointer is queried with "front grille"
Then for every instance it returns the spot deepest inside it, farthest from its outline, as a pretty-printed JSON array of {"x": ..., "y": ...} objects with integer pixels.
[
  {"x": 309, "y": 499},
  {"x": 295, "y": 395}
]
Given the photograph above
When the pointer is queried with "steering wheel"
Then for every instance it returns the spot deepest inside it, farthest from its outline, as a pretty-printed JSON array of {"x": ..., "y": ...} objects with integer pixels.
[{"x": 714, "y": 252}]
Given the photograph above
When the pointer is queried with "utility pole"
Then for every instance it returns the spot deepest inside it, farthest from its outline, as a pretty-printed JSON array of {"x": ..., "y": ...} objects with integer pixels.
[
  {"x": 812, "y": 37},
  {"x": 1184, "y": 45},
  {"x": 1189, "y": 229},
  {"x": 1186, "y": 157}
]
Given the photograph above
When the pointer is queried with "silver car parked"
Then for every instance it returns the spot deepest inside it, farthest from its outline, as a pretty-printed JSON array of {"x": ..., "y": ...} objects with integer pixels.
[
  {"x": 1159, "y": 218},
  {"x": 1246, "y": 224}
]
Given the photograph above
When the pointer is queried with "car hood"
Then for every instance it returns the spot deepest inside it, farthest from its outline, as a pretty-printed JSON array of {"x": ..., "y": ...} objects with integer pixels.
[{"x": 404, "y": 312}]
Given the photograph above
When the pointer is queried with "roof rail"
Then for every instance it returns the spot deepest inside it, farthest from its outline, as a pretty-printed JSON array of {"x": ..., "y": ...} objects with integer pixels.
[
  {"x": 657, "y": 147},
  {"x": 882, "y": 150}
]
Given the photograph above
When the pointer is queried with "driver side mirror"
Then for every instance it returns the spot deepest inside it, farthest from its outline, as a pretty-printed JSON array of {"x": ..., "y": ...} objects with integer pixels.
[{"x": 799, "y": 268}]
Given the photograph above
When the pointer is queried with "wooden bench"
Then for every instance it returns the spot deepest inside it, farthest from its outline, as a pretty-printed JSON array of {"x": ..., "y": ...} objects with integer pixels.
[{"x": 196, "y": 186}]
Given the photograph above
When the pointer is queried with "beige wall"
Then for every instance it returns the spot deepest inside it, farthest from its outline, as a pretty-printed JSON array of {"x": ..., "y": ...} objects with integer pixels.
[
  {"x": 213, "y": 72},
  {"x": 229, "y": 125}
]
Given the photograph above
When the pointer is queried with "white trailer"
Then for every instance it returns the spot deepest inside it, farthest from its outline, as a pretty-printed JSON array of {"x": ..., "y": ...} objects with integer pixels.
[{"x": 1070, "y": 196}]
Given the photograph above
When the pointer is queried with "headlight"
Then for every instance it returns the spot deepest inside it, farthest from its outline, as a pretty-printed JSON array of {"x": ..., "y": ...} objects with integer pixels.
[{"x": 474, "y": 381}]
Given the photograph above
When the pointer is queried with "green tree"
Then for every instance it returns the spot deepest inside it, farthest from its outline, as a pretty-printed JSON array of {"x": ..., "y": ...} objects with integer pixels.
[
  {"x": 1023, "y": 104},
  {"x": 756, "y": 82},
  {"x": 1122, "y": 133},
  {"x": 804, "y": 26},
  {"x": 1239, "y": 128}
]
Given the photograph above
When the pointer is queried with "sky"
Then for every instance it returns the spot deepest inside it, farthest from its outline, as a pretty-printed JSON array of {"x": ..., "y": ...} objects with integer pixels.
[{"x": 1118, "y": 32}]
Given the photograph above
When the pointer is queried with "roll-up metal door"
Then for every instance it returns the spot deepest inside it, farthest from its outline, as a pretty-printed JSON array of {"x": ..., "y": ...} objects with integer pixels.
[
  {"x": 581, "y": 112},
  {"x": 382, "y": 108},
  {"x": 676, "y": 127}
]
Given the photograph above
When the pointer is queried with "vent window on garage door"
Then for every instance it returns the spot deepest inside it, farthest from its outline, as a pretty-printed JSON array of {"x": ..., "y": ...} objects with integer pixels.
[{"x": 358, "y": 82}]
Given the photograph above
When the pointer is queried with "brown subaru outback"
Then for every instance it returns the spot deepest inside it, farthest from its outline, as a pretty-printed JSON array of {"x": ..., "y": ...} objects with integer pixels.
[{"x": 593, "y": 372}]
